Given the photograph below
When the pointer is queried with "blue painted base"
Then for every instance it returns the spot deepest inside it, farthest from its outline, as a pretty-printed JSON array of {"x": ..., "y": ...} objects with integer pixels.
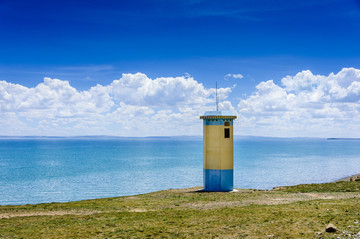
[{"x": 218, "y": 180}]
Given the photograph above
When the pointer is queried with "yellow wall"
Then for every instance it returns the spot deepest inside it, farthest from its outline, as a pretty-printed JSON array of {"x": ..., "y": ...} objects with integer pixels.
[{"x": 218, "y": 150}]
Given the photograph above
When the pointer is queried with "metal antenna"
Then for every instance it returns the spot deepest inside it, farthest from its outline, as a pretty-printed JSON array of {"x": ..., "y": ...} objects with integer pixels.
[{"x": 217, "y": 100}]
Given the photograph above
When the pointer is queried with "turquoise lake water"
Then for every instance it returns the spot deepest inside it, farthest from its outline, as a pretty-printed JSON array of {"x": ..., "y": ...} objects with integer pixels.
[{"x": 59, "y": 170}]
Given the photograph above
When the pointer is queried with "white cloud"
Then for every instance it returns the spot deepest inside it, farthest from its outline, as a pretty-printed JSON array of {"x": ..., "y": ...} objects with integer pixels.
[
  {"x": 138, "y": 89},
  {"x": 237, "y": 76},
  {"x": 234, "y": 76},
  {"x": 226, "y": 106},
  {"x": 134, "y": 105},
  {"x": 305, "y": 105}
]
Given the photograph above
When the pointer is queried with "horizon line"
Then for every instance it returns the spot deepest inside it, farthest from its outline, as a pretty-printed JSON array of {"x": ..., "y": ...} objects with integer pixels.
[{"x": 154, "y": 136}]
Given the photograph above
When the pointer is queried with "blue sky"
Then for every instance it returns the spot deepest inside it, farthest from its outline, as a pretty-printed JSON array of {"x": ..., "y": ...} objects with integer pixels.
[{"x": 89, "y": 43}]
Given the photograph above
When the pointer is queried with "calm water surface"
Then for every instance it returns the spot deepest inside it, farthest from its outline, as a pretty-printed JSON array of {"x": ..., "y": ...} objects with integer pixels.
[{"x": 58, "y": 170}]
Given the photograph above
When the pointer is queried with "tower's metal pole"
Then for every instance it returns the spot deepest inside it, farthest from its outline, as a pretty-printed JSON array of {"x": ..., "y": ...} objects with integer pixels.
[{"x": 217, "y": 100}]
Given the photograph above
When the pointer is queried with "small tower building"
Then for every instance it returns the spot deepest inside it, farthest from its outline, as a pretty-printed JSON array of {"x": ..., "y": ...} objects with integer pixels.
[{"x": 218, "y": 152}]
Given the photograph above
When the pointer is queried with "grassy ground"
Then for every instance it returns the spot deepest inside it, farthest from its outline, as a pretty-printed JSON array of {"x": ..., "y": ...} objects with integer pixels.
[{"x": 301, "y": 211}]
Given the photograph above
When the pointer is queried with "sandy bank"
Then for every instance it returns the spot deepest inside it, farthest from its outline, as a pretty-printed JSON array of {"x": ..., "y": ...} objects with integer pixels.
[{"x": 355, "y": 177}]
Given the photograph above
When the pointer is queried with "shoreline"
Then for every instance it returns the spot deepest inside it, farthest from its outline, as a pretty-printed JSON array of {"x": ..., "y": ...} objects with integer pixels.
[{"x": 354, "y": 177}]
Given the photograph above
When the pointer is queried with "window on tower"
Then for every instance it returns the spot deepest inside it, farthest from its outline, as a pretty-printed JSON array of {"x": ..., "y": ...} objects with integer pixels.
[
  {"x": 227, "y": 124},
  {"x": 227, "y": 133}
]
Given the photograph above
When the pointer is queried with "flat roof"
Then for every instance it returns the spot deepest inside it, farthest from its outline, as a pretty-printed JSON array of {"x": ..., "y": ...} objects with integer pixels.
[{"x": 218, "y": 115}]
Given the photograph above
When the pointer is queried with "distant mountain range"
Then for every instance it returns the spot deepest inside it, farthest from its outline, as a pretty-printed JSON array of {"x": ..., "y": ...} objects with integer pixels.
[
  {"x": 343, "y": 138},
  {"x": 163, "y": 137}
]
